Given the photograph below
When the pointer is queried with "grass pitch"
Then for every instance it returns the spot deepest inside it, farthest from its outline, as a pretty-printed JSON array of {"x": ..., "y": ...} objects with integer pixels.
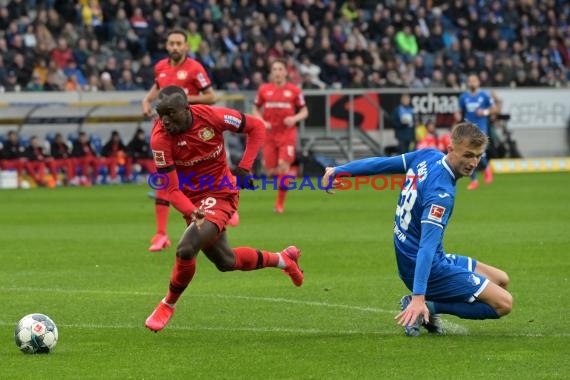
[{"x": 79, "y": 255}]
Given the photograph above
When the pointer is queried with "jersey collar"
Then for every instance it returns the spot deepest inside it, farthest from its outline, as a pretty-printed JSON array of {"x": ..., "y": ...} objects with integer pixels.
[{"x": 446, "y": 166}]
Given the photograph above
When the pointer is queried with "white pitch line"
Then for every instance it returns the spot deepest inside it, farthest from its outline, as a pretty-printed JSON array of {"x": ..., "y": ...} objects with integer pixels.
[
  {"x": 227, "y": 296},
  {"x": 293, "y": 330},
  {"x": 224, "y": 329},
  {"x": 309, "y": 303}
]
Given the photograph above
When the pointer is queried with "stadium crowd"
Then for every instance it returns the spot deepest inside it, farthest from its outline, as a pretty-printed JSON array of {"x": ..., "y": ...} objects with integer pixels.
[{"x": 91, "y": 45}]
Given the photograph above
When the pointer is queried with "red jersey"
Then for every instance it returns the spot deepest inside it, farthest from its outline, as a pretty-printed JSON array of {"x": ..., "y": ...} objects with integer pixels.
[
  {"x": 278, "y": 103},
  {"x": 190, "y": 75},
  {"x": 199, "y": 155}
]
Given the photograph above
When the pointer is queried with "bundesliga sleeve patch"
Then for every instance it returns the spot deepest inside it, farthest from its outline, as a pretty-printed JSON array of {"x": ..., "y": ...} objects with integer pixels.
[
  {"x": 159, "y": 158},
  {"x": 202, "y": 80},
  {"x": 232, "y": 120},
  {"x": 436, "y": 213}
]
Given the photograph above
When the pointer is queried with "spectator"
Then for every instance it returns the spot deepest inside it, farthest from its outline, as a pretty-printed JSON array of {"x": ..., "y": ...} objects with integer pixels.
[
  {"x": 114, "y": 154},
  {"x": 35, "y": 84},
  {"x": 106, "y": 82},
  {"x": 139, "y": 23},
  {"x": 145, "y": 74},
  {"x": 406, "y": 42},
  {"x": 139, "y": 153},
  {"x": 194, "y": 38},
  {"x": 71, "y": 70},
  {"x": 38, "y": 162},
  {"x": 239, "y": 74},
  {"x": 404, "y": 125},
  {"x": 13, "y": 154},
  {"x": 126, "y": 82},
  {"x": 310, "y": 72},
  {"x": 62, "y": 54},
  {"x": 85, "y": 158},
  {"x": 60, "y": 151}
]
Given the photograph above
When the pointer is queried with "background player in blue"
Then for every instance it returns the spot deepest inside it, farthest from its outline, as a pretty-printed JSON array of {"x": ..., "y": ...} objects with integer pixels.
[
  {"x": 440, "y": 283},
  {"x": 476, "y": 105}
]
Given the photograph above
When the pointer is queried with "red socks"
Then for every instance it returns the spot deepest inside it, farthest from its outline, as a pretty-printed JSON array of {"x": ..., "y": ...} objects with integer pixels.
[
  {"x": 281, "y": 191},
  {"x": 161, "y": 208},
  {"x": 250, "y": 258},
  {"x": 182, "y": 274}
]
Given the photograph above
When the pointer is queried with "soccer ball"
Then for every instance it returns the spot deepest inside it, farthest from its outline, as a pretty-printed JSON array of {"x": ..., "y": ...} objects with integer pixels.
[{"x": 36, "y": 334}]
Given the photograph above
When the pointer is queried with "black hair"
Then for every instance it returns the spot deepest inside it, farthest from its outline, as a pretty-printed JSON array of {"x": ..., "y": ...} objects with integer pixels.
[
  {"x": 172, "y": 96},
  {"x": 177, "y": 31}
]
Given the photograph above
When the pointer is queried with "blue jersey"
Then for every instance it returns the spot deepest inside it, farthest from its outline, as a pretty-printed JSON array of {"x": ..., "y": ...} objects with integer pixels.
[
  {"x": 424, "y": 208},
  {"x": 469, "y": 104}
]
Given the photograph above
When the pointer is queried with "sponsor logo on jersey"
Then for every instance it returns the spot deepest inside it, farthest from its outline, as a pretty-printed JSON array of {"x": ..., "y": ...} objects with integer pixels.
[
  {"x": 181, "y": 75},
  {"x": 182, "y": 143},
  {"x": 277, "y": 105},
  {"x": 162, "y": 75},
  {"x": 232, "y": 120},
  {"x": 287, "y": 93},
  {"x": 436, "y": 213},
  {"x": 422, "y": 171},
  {"x": 444, "y": 195},
  {"x": 202, "y": 79},
  {"x": 214, "y": 155},
  {"x": 206, "y": 133},
  {"x": 159, "y": 158}
]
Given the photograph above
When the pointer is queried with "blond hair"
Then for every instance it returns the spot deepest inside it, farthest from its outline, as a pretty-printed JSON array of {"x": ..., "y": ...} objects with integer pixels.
[{"x": 470, "y": 133}]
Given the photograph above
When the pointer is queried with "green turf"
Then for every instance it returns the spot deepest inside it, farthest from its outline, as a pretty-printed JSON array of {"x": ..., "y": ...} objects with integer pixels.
[{"x": 79, "y": 255}]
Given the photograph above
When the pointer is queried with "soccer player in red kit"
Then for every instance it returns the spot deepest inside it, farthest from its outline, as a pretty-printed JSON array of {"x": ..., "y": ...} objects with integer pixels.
[
  {"x": 281, "y": 106},
  {"x": 187, "y": 143},
  {"x": 176, "y": 70}
]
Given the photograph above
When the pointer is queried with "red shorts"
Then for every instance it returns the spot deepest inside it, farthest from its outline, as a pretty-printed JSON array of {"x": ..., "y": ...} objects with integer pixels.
[
  {"x": 275, "y": 150},
  {"x": 218, "y": 210}
]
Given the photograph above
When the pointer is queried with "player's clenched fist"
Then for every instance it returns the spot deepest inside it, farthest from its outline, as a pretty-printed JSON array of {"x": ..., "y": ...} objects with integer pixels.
[{"x": 198, "y": 217}]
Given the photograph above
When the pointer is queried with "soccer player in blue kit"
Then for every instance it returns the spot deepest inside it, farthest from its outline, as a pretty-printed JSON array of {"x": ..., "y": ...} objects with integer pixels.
[
  {"x": 476, "y": 105},
  {"x": 440, "y": 283}
]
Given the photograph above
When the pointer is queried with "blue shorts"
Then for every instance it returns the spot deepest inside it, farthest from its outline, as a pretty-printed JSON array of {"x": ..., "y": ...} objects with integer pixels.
[{"x": 453, "y": 280}]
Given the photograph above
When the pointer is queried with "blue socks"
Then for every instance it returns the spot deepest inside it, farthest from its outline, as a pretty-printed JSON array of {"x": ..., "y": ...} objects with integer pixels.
[{"x": 475, "y": 310}]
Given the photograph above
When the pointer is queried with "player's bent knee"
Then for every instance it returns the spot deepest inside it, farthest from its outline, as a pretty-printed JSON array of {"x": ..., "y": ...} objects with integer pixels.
[
  {"x": 225, "y": 264},
  {"x": 186, "y": 251},
  {"x": 505, "y": 305},
  {"x": 503, "y": 279}
]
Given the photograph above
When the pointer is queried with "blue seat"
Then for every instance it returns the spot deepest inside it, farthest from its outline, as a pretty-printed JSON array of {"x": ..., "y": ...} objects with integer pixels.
[
  {"x": 50, "y": 137},
  {"x": 97, "y": 143},
  {"x": 72, "y": 136}
]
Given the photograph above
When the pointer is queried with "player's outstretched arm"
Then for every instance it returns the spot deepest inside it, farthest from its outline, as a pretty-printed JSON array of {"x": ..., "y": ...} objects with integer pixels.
[
  {"x": 255, "y": 132},
  {"x": 147, "y": 100},
  {"x": 375, "y": 165}
]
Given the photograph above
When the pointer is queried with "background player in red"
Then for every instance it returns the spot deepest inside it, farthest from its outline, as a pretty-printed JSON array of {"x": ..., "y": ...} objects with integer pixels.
[
  {"x": 188, "y": 141},
  {"x": 177, "y": 70},
  {"x": 281, "y": 106}
]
